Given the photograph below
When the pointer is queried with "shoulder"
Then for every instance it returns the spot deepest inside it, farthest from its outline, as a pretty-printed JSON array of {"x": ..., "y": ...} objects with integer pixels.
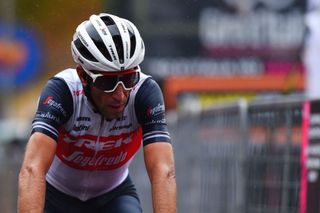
[
  {"x": 69, "y": 75},
  {"x": 150, "y": 83},
  {"x": 149, "y": 87},
  {"x": 55, "y": 107},
  {"x": 56, "y": 86},
  {"x": 149, "y": 96},
  {"x": 56, "y": 93},
  {"x": 71, "y": 79}
]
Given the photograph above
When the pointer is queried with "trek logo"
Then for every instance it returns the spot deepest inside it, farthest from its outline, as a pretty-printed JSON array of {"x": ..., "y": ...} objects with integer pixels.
[
  {"x": 155, "y": 110},
  {"x": 49, "y": 101},
  {"x": 112, "y": 53},
  {"x": 127, "y": 51},
  {"x": 104, "y": 31},
  {"x": 124, "y": 28},
  {"x": 103, "y": 145},
  {"x": 92, "y": 152}
]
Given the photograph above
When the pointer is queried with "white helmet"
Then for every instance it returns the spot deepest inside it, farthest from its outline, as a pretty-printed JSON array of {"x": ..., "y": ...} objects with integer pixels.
[{"x": 106, "y": 42}]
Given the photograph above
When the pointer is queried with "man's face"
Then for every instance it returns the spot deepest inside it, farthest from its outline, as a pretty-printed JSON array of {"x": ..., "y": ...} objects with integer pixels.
[
  {"x": 107, "y": 90},
  {"x": 111, "y": 104}
]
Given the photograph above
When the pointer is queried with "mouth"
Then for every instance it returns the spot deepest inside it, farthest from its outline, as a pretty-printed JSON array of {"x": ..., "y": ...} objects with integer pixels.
[{"x": 117, "y": 107}]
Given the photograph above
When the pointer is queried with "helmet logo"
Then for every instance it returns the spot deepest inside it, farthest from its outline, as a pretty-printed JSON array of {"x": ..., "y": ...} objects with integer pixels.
[
  {"x": 124, "y": 28},
  {"x": 82, "y": 39},
  {"x": 103, "y": 30},
  {"x": 112, "y": 53},
  {"x": 127, "y": 51}
]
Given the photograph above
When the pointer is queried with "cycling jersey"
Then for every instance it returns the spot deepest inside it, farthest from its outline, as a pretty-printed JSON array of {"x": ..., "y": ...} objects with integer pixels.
[{"x": 93, "y": 154}]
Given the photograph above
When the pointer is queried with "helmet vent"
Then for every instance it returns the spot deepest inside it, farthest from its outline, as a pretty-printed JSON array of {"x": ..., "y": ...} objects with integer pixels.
[
  {"x": 132, "y": 40},
  {"x": 107, "y": 20},
  {"x": 84, "y": 51},
  {"x": 119, "y": 46},
  {"x": 94, "y": 35},
  {"x": 115, "y": 33}
]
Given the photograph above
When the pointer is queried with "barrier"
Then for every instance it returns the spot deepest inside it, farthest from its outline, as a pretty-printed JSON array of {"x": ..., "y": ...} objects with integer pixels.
[
  {"x": 236, "y": 158},
  {"x": 241, "y": 157}
]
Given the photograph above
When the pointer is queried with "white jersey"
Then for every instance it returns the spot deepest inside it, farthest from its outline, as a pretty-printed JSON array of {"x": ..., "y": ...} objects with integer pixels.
[{"x": 93, "y": 154}]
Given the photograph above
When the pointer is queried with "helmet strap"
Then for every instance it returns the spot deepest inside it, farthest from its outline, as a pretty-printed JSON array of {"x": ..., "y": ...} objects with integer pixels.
[{"x": 87, "y": 92}]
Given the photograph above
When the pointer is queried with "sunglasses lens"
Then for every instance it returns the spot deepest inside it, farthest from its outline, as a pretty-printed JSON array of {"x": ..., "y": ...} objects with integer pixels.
[
  {"x": 130, "y": 80},
  {"x": 108, "y": 83}
]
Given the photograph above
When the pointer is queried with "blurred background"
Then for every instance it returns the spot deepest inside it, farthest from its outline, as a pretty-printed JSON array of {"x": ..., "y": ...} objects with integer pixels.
[{"x": 235, "y": 77}]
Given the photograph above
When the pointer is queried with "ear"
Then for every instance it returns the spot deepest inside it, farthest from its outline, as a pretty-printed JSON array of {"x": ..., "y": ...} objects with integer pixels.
[{"x": 82, "y": 75}]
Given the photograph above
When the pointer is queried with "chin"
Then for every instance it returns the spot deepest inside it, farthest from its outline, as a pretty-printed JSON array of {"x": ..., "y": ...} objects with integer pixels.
[{"x": 113, "y": 116}]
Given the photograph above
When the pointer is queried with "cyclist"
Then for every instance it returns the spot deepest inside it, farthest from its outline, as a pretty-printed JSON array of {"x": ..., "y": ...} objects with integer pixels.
[{"x": 89, "y": 124}]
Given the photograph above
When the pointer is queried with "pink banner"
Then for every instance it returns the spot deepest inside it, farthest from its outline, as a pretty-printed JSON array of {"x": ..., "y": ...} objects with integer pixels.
[{"x": 304, "y": 157}]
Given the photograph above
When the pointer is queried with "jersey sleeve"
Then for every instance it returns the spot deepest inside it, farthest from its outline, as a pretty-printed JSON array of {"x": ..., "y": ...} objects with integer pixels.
[
  {"x": 150, "y": 111},
  {"x": 55, "y": 106}
]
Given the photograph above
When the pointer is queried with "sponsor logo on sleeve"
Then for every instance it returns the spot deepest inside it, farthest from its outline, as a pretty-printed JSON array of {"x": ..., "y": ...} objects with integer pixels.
[
  {"x": 47, "y": 115},
  {"x": 49, "y": 101},
  {"x": 157, "y": 110},
  {"x": 162, "y": 121}
]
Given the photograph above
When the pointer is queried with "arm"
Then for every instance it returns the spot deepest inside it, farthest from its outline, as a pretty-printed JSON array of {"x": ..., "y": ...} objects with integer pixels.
[
  {"x": 42, "y": 144},
  {"x": 159, "y": 161},
  {"x": 158, "y": 152},
  {"x": 38, "y": 158}
]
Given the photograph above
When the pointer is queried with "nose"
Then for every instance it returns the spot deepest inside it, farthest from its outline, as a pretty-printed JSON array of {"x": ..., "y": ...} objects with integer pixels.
[{"x": 119, "y": 93}]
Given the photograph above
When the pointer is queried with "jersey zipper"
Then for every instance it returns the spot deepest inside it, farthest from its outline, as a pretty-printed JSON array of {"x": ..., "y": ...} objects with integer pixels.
[{"x": 96, "y": 150}]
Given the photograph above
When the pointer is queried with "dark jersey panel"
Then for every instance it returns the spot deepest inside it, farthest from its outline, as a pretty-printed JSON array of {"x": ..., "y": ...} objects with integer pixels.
[
  {"x": 150, "y": 111},
  {"x": 54, "y": 108}
]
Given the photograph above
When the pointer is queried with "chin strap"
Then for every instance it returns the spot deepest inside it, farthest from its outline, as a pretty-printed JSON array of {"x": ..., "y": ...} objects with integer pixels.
[{"x": 87, "y": 92}]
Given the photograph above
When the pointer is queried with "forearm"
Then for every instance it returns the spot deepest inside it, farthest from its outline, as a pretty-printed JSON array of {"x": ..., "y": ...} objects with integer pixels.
[
  {"x": 164, "y": 192},
  {"x": 31, "y": 192}
]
